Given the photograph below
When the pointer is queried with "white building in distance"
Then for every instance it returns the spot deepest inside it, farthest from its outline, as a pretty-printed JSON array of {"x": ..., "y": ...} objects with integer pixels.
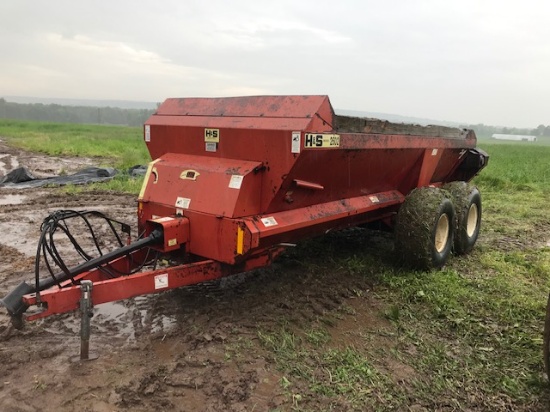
[{"x": 516, "y": 137}]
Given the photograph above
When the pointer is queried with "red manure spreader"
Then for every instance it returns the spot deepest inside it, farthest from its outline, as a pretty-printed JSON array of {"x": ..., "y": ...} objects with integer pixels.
[{"x": 235, "y": 180}]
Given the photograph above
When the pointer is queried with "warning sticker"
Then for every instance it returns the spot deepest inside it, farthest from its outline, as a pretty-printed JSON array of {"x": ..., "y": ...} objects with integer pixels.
[
  {"x": 269, "y": 221},
  {"x": 319, "y": 141},
  {"x": 236, "y": 181},
  {"x": 211, "y": 147},
  {"x": 161, "y": 281},
  {"x": 296, "y": 140},
  {"x": 147, "y": 133},
  {"x": 183, "y": 202},
  {"x": 164, "y": 219}
]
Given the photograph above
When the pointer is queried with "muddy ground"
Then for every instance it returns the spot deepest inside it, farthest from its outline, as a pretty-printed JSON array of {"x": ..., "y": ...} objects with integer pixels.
[{"x": 191, "y": 349}]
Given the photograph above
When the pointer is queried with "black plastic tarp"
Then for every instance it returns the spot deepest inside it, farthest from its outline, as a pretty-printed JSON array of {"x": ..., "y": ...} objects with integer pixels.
[{"x": 21, "y": 178}]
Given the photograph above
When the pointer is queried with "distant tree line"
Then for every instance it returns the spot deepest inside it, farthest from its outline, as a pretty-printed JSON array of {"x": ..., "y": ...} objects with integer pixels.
[
  {"x": 136, "y": 117},
  {"x": 541, "y": 130},
  {"x": 487, "y": 131},
  {"x": 73, "y": 114}
]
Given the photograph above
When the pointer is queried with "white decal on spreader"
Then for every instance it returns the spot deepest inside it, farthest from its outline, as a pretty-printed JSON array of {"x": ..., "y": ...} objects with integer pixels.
[
  {"x": 236, "y": 181},
  {"x": 161, "y": 281},
  {"x": 296, "y": 140},
  {"x": 164, "y": 219},
  {"x": 212, "y": 135},
  {"x": 147, "y": 133},
  {"x": 183, "y": 202},
  {"x": 269, "y": 221},
  {"x": 321, "y": 141}
]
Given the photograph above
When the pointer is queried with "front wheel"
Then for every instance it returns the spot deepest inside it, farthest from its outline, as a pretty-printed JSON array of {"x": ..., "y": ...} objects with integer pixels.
[{"x": 424, "y": 229}]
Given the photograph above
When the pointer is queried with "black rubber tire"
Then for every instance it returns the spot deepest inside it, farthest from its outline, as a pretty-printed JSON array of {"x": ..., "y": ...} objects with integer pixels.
[
  {"x": 467, "y": 201},
  {"x": 424, "y": 229}
]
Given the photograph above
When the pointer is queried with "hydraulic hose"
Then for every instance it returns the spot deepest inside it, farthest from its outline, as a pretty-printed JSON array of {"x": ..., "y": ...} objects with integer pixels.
[{"x": 13, "y": 302}]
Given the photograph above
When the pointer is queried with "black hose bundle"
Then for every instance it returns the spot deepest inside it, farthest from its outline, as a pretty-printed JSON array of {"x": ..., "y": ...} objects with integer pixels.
[{"x": 58, "y": 222}]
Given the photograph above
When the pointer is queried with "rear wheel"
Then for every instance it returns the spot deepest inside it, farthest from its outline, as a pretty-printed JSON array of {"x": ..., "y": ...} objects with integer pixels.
[
  {"x": 467, "y": 201},
  {"x": 424, "y": 229}
]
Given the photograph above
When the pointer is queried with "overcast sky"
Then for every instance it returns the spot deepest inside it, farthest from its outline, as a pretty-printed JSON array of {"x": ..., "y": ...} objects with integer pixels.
[{"x": 474, "y": 61}]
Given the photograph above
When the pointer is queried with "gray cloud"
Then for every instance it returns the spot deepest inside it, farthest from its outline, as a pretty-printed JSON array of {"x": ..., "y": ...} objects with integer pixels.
[{"x": 467, "y": 61}]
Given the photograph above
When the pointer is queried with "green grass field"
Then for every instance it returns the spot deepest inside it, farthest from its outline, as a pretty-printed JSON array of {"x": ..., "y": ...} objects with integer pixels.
[
  {"x": 113, "y": 146},
  {"x": 472, "y": 332},
  {"x": 122, "y": 146},
  {"x": 519, "y": 166},
  {"x": 468, "y": 336}
]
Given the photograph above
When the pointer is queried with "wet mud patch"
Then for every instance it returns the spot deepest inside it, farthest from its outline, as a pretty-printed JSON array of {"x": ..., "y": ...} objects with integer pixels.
[
  {"x": 199, "y": 384},
  {"x": 12, "y": 199},
  {"x": 524, "y": 239},
  {"x": 368, "y": 328}
]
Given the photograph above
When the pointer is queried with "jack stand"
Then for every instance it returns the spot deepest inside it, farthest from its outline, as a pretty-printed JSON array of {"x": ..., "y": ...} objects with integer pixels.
[{"x": 86, "y": 312}]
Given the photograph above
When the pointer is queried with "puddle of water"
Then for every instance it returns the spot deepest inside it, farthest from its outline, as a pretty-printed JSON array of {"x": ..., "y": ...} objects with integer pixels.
[
  {"x": 9, "y": 160},
  {"x": 131, "y": 318},
  {"x": 166, "y": 322},
  {"x": 12, "y": 199},
  {"x": 110, "y": 310},
  {"x": 114, "y": 316}
]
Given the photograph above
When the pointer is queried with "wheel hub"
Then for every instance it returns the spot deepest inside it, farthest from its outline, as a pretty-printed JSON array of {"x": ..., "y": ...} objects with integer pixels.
[
  {"x": 471, "y": 221},
  {"x": 442, "y": 233}
]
